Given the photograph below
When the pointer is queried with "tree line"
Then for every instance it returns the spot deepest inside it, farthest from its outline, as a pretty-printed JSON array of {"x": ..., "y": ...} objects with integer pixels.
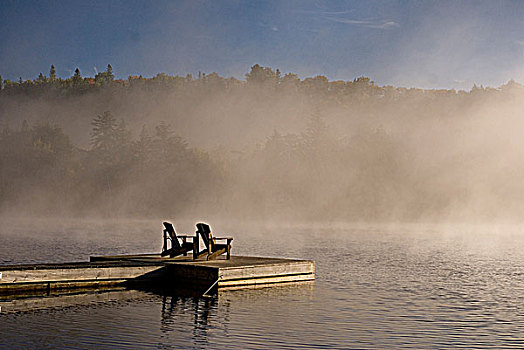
[
  {"x": 159, "y": 173},
  {"x": 258, "y": 76}
]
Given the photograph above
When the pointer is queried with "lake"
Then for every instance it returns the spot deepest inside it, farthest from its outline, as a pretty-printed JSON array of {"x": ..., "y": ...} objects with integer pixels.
[{"x": 377, "y": 286}]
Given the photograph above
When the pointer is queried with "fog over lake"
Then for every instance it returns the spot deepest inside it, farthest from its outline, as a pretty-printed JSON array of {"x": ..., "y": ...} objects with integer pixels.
[
  {"x": 273, "y": 147},
  {"x": 383, "y": 140}
]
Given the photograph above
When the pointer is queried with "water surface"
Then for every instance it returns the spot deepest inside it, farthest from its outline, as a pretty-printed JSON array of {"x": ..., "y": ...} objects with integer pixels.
[{"x": 409, "y": 286}]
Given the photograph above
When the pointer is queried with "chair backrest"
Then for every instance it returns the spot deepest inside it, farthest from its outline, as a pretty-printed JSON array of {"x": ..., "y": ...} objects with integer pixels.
[
  {"x": 172, "y": 234},
  {"x": 205, "y": 233}
]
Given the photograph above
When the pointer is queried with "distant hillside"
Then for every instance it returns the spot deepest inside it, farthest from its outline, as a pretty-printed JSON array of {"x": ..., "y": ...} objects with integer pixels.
[{"x": 270, "y": 146}]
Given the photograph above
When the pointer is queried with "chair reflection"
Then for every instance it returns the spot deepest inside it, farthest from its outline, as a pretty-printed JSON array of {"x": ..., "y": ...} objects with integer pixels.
[{"x": 179, "y": 313}]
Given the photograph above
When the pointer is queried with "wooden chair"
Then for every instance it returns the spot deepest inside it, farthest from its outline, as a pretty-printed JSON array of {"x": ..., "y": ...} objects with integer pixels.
[
  {"x": 213, "y": 249},
  {"x": 176, "y": 248}
]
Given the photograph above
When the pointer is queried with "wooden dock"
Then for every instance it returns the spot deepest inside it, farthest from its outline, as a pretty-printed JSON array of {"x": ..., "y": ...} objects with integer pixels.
[
  {"x": 150, "y": 270},
  {"x": 90, "y": 297}
]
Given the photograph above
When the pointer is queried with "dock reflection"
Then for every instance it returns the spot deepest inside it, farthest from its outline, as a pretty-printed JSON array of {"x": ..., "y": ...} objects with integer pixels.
[
  {"x": 176, "y": 310},
  {"x": 165, "y": 320},
  {"x": 33, "y": 302},
  {"x": 214, "y": 314},
  {"x": 173, "y": 300}
]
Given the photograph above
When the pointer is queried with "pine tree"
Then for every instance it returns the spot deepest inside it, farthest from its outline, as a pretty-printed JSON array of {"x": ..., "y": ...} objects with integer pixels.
[
  {"x": 110, "y": 141},
  {"x": 105, "y": 77},
  {"x": 109, "y": 72},
  {"x": 104, "y": 133},
  {"x": 52, "y": 73},
  {"x": 142, "y": 147},
  {"x": 77, "y": 78}
]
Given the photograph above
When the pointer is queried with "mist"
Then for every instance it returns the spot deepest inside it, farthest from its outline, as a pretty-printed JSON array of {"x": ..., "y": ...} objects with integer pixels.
[{"x": 272, "y": 146}]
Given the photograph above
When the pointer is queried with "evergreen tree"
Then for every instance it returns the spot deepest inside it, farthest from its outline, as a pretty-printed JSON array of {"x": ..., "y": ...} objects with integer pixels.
[
  {"x": 52, "y": 73},
  {"x": 104, "y": 132},
  {"x": 142, "y": 147},
  {"x": 166, "y": 145},
  {"x": 77, "y": 78},
  {"x": 110, "y": 139},
  {"x": 105, "y": 77},
  {"x": 77, "y": 74},
  {"x": 262, "y": 75},
  {"x": 109, "y": 72}
]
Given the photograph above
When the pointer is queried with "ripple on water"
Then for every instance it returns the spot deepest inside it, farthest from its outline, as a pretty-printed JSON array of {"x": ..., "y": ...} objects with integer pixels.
[{"x": 392, "y": 288}]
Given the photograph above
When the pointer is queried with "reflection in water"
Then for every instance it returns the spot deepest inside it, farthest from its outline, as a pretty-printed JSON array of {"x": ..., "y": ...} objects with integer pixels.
[
  {"x": 77, "y": 298},
  {"x": 400, "y": 287},
  {"x": 210, "y": 317},
  {"x": 129, "y": 318},
  {"x": 200, "y": 308}
]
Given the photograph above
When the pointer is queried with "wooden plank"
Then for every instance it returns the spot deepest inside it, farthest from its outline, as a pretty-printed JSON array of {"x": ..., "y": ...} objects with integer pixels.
[
  {"x": 79, "y": 274},
  {"x": 125, "y": 257},
  {"x": 266, "y": 280},
  {"x": 44, "y": 288},
  {"x": 309, "y": 284},
  {"x": 277, "y": 269}
]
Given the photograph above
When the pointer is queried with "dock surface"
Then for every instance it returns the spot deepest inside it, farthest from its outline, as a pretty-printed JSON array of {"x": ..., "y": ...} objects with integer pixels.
[{"x": 151, "y": 269}]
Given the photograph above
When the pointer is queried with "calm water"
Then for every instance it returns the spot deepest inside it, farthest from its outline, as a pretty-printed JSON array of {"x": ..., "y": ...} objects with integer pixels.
[{"x": 377, "y": 287}]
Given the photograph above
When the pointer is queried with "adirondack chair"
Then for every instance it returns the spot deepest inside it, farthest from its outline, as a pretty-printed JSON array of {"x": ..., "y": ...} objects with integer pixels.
[
  {"x": 176, "y": 248},
  {"x": 213, "y": 249}
]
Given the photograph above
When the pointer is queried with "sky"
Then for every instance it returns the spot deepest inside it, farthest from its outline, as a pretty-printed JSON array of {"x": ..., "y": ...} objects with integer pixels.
[{"x": 426, "y": 44}]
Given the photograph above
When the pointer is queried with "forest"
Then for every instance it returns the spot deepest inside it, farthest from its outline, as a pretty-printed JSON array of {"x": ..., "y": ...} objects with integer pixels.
[{"x": 272, "y": 146}]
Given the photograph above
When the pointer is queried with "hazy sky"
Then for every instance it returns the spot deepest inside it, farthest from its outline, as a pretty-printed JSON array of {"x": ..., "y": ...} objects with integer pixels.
[{"x": 404, "y": 43}]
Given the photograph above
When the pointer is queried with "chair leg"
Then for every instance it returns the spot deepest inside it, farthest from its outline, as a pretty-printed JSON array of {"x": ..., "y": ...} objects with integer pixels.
[
  {"x": 164, "y": 248},
  {"x": 196, "y": 247},
  {"x": 184, "y": 244},
  {"x": 215, "y": 254}
]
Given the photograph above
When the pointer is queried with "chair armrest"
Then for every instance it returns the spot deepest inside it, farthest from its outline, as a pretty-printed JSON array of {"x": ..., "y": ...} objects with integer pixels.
[{"x": 228, "y": 238}]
